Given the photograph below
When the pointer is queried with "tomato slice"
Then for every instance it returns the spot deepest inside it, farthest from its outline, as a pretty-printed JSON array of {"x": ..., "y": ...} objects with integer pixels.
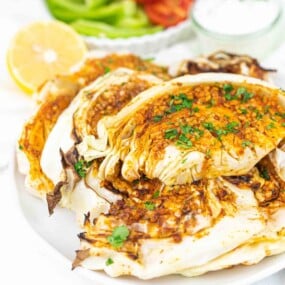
[{"x": 167, "y": 13}]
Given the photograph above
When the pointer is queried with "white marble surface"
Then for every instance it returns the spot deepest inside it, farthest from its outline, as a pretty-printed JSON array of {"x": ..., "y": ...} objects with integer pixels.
[{"x": 22, "y": 258}]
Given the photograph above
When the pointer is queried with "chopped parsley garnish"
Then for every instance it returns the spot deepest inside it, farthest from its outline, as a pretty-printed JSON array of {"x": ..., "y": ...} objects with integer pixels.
[
  {"x": 229, "y": 97},
  {"x": 195, "y": 109},
  {"x": 211, "y": 103},
  {"x": 282, "y": 115},
  {"x": 184, "y": 142},
  {"x": 170, "y": 134},
  {"x": 208, "y": 153},
  {"x": 179, "y": 103},
  {"x": 209, "y": 126},
  {"x": 245, "y": 143},
  {"x": 149, "y": 205},
  {"x": 270, "y": 126},
  {"x": 231, "y": 127},
  {"x": 81, "y": 167},
  {"x": 109, "y": 261},
  {"x": 186, "y": 129},
  {"x": 119, "y": 236},
  {"x": 156, "y": 194},
  {"x": 243, "y": 111},
  {"x": 228, "y": 88},
  {"x": 264, "y": 174},
  {"x": 21, "y": 147},
  {"x": 157, "y": 118},
  {"x": 107, "y": 69},
  {"x": 258, "y": 115},
  {"x": 244, "y": 94},
  {"x": 283, "y": 124}
]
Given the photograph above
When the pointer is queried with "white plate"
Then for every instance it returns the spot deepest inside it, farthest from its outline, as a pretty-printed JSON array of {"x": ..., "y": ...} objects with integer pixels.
[{"x": 59, "y": 233}]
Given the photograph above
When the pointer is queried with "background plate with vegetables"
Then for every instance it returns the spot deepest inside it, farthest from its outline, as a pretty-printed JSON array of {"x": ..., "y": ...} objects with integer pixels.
[{"x": 141, "y": 26}]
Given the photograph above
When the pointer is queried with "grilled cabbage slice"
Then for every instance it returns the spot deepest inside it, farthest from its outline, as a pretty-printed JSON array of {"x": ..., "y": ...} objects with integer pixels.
[
  {"x": 53, "y": 98},
  {"x": 192, "y": 127},
  {"x": 188, "y": 227},
  {"x": 105, "y": 96}
]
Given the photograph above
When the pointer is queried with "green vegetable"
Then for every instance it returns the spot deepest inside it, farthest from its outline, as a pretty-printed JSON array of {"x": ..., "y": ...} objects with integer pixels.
[
  {"x": 109, "y": 261},
  {"x": 228, "y": 88},
  {"x": 156, "y": 194},
  {"x": 179, "y": 103},
  {"x": 100, "y": 29},
  {"x": 69, "y": 11},
  {"x": 264, "y": 174},
  {"x": 245, "y": 143},
  {"x": 270, "y": 126},
  {"x": 211, "y": 103},
  {"x": 103, "y": 18},
  {"x": 107, "y": 69},
  {"x": 170, "y": 134},
  {"x": 184, "y": 142},
  {"x": 157, "y": 118},
  {"x": 119, "y": 236},
  {"x": 231, "y": 127},
  {"x": 149, "y": 205},
  {"x": 241, "y": 91},
  {"x": 81, "y": 167},
  {"x": 243, "y": 111}
]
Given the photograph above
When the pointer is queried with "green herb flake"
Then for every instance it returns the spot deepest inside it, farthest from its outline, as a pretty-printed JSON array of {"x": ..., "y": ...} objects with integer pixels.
[
  {"x": 241, "y": 91},
  {"x": 107, "y": 69},
  {"x": 171, "y": 134},
  {"x": 150, "y": 206},
  {"x": 245, "y": 143},
  {"x": 210, "y": 103},
  {"x": 244, "y": 94},
  {"x": 21, "y": 147},
  {"x": 119, "y": 236},
  {"x": 186, "y": 129},
  {"x": 243, "y": 111},
  {"x": 228, "y": 88},
  {"x": 81, "y": 167},
  {"x": 270, "y": 126},
  {"x": 178, "y": 103},
  {"x": 156, "y": 194},
  {"x": 282, "y": 115},
  {"x": 231, "y": 127},
  {"x": 184, "y": 142},
  {"x": 258, "y": 115},
  {"x": 109, "y": 261},
  {"x": 264, "y": 174},
  {"x": 229, "y": 97},
  {"x": 209, "y": 126},
  {"x": 157, "y": 118},
  {"x": 195, "y": 109},
  {"x": 208, "y": 153},
  {"x": 283, "y": 124}
]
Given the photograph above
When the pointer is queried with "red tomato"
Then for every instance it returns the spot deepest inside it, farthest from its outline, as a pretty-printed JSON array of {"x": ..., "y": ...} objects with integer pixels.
[{"x": 167, "y": 12}]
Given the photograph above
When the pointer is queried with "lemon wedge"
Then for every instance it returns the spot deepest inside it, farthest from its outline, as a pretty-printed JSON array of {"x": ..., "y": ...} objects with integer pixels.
[{"x": 42, "y": 50}]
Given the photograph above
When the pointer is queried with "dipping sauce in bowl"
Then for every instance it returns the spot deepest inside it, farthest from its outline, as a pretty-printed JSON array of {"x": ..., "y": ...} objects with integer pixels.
[{"x": 240, "y": 26}]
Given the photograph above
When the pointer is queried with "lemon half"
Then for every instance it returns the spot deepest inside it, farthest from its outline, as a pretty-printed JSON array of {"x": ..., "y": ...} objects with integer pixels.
[{"x": 42, "y": 50}]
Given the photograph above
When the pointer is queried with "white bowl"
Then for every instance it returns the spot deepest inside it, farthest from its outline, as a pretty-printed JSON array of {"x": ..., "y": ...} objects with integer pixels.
[{"x": 144, "y": 45}]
